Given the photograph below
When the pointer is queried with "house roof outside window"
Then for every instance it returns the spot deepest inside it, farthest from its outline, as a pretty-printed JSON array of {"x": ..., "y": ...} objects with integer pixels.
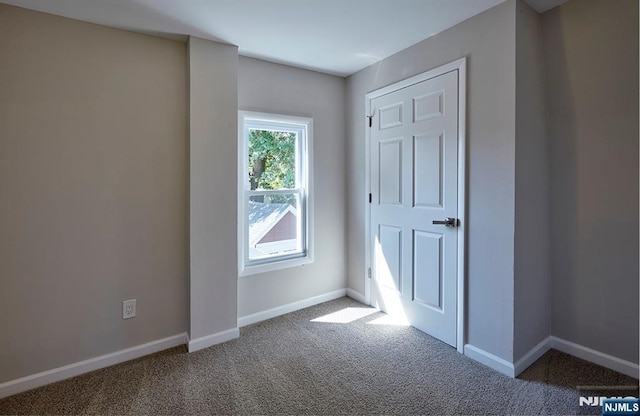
[{"x": 263, "y": 217}]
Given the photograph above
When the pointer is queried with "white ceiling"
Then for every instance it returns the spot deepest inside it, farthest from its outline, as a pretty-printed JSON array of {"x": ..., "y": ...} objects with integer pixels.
[{"x": 334, "y": 36}]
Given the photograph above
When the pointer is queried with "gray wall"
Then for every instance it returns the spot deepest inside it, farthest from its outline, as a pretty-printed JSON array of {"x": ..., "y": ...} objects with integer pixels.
[
  {"x": 273, "y": 88},
  {"x": 532, "y": 309},
  {"x": 488, "y": 41},
  {"x": 93, "y": 190},
  {"x": 213, "y": 109},
  {"x": 591, "y": 67}
]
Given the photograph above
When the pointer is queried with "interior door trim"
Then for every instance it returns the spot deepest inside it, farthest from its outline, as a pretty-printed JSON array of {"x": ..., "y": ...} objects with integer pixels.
[{"x": 459, "y": 65}]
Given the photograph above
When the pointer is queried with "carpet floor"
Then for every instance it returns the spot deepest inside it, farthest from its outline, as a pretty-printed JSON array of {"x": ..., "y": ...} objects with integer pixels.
[{"x": 339, "y": 357}]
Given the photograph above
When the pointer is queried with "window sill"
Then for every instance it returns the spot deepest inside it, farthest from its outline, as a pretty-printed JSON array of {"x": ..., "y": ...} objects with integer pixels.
[{"x": 276, "y": 265}]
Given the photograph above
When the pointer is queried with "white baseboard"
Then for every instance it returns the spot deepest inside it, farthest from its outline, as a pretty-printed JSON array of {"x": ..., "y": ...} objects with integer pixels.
[
  {"x": 568, "y": 347},
  {"x": 596, "y": 357},
  {"x": 61, "y": 373},
  {"x": 291, "y": 307},
  {"x": 357, "y": 296},
  {"x": 490, "y": 360},
  {"x": 207, "y": 341},
  {"x": 533, "y": 355}
]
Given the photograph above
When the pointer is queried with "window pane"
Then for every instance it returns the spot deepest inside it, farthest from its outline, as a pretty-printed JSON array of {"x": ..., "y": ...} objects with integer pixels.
[
  {"x": 272, "y": 163},
  {"x": 274, "y": 225}
]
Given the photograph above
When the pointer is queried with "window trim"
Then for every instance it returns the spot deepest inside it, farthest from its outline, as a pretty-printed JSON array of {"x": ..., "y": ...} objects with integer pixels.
[{"x": 246, "y": 118}]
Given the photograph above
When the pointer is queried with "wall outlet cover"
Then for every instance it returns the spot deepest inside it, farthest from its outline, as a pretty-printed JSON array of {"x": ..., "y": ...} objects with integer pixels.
[{"x": 129, "y": 309}]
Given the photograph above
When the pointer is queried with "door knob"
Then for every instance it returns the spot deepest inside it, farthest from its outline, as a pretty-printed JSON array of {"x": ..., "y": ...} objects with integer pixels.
[{"x": 449, "y": 222}]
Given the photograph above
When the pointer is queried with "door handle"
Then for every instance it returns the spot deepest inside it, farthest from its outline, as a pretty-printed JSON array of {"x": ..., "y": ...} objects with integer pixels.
[{"x": 449, "y": 222}]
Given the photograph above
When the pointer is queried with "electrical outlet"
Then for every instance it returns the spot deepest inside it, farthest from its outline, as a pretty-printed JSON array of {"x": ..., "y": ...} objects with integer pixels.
[{"x": 129, "y": 309}]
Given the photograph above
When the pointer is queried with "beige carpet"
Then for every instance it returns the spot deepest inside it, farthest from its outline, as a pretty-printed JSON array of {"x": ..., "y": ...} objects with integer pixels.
[{"x": 299, "y": 364}]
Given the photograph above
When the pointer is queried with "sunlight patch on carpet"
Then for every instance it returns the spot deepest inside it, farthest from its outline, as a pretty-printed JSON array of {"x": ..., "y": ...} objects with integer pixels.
[
  {"x": 345, "y": 316},
  {"x": 393, "y": 320}
]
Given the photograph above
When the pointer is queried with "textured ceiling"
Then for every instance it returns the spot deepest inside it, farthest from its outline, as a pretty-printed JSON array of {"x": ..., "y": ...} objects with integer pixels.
[{"x": 334, "y": 36}]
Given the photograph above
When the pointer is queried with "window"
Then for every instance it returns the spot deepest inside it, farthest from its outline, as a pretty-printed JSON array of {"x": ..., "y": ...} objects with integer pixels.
[{"x": 274, "y": 198}]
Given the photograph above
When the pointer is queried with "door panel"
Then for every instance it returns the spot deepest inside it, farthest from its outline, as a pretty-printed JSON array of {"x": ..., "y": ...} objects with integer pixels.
[
  {"x": 428, "y": 106},
  {"x": 391, "y": 171},
  {"x": 389, "y": 270},
  {"x": 427, "y": 269},
  {"x": 427, "y": 170},
  {"x": 391, "y": 116},
  {"x": 414, "y": 168}
]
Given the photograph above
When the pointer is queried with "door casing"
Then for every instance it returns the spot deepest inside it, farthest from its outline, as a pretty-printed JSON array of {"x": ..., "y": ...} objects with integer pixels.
[{"x": 459, "y": 65}]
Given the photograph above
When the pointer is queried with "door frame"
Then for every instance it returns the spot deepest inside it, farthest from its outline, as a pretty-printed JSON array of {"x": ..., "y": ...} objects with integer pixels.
[{"x": 460, "y": 65}]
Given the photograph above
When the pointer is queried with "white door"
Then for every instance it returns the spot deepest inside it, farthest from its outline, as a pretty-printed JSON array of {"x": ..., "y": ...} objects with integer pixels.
[{"x": 414, "y": 185}]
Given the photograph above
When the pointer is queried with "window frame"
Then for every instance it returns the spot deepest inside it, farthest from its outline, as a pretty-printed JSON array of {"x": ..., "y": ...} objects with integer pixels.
[{"x": 304, "y": 188}]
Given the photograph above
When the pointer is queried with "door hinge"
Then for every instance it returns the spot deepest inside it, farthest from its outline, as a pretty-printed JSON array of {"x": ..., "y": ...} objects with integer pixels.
[
  {"x": 370, "y": 120},
  {"x": 369, "y": 273},
  {"x": 370, "y": 198}
]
